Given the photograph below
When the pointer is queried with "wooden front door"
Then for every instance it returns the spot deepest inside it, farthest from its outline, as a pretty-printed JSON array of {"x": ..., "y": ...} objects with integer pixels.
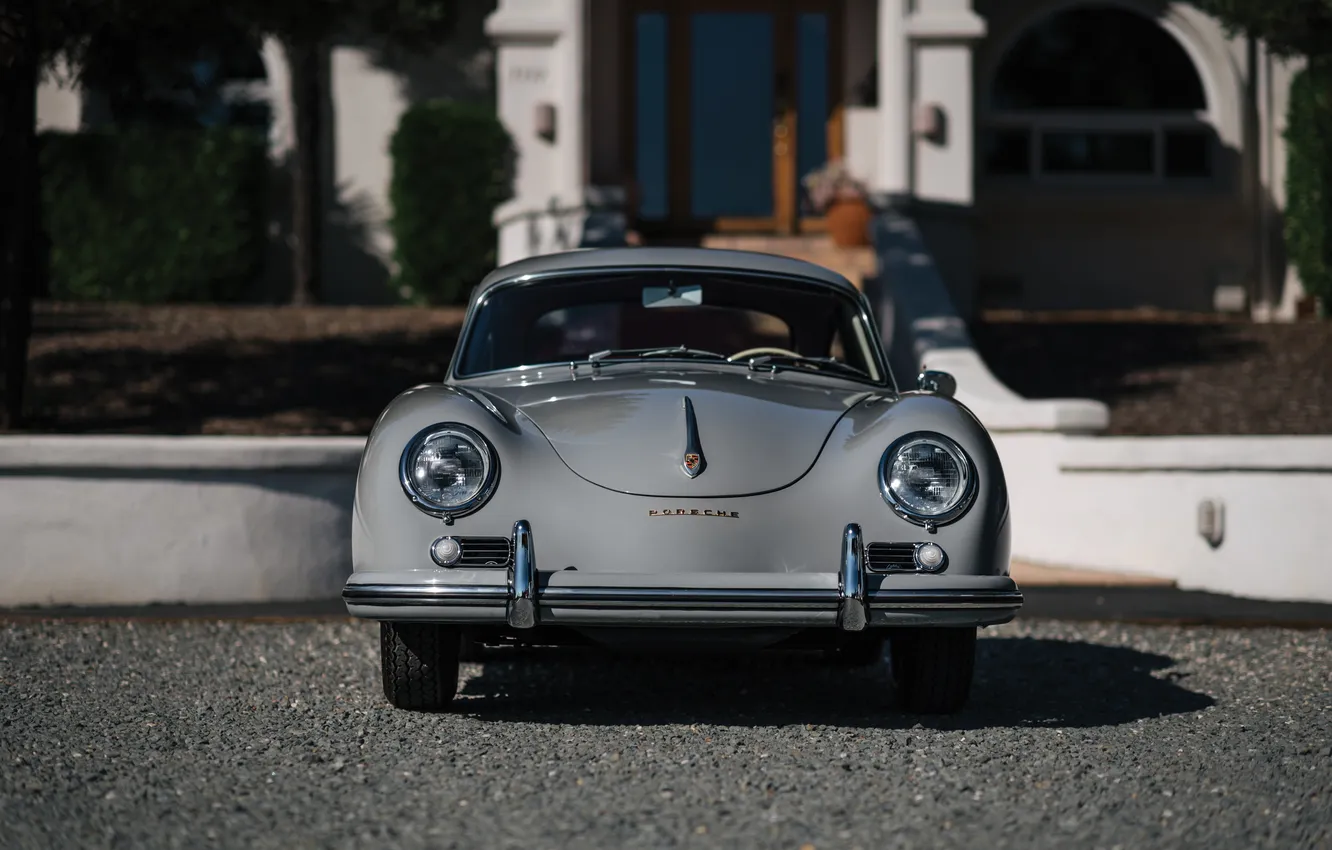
[{"x": 728, "y": 104}]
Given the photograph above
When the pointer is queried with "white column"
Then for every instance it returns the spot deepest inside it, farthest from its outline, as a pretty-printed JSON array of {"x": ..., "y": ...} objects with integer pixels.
[
  {"x": 893, "y": 174},
  {"x": 540, "y": 76},
  {"x": 941, "y": 34},
  {"x": 942, "y": 38}
]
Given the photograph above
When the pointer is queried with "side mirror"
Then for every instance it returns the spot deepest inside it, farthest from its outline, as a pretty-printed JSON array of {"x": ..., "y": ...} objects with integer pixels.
[{"x": 939, "y": 383}]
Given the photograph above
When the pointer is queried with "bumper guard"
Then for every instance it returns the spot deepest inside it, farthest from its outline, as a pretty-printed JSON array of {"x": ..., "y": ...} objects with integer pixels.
[{"x": 522, "y": 597}]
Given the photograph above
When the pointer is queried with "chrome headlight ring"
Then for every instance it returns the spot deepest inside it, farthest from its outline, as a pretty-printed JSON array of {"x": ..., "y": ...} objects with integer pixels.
[
  {"x": 966, "y": 493},
  {"x": 489, "y": 462}
]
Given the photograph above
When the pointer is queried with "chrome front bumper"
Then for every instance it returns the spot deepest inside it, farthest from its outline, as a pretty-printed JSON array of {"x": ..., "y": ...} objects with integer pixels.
[{"x": 527, "y": 598}]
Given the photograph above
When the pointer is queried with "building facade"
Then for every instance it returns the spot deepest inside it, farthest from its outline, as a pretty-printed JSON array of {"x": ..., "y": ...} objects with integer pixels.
[{"x": 1056, "y": 154}]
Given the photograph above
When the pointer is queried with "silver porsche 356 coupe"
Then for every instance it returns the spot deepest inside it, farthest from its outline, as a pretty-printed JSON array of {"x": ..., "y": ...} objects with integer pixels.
[{"x": 646, "y": 446}]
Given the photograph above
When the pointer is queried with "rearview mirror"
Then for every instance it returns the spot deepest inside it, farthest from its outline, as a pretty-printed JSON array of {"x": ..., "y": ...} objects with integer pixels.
[
  {"x": 672, "y": 296},
  {"x": 939, "y": 383}
]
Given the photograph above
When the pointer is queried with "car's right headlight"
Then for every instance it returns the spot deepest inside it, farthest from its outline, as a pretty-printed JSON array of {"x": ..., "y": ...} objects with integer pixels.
[
  {"x": 449, "y": 470},
  {"x": 927, "y": 478}
]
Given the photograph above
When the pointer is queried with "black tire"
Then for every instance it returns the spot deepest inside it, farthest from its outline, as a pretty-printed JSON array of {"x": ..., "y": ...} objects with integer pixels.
[
  {"x": 933, "y": 668},
  {"x": 420, "y": 662},
  {"x": 862, "y": 651}
]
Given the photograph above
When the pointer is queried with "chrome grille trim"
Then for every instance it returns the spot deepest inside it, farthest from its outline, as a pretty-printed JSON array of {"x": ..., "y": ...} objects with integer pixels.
[
  {"x": 485, "y": 552},
  {"x": 891, "y": 557}
]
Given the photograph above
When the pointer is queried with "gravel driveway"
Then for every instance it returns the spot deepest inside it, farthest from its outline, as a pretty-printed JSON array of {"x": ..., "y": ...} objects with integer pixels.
[{"x": 275, "y": 735}]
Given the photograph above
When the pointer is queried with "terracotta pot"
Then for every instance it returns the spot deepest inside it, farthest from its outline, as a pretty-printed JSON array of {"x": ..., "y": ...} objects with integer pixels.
[{"x": 848, "y": 222}]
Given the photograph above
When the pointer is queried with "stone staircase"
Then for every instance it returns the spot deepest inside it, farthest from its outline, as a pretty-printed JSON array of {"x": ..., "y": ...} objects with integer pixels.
[{"x": 855, "y": 264}]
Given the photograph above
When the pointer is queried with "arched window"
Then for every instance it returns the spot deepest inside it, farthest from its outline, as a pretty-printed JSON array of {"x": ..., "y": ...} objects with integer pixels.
[{"x": 1098, "y": 92}]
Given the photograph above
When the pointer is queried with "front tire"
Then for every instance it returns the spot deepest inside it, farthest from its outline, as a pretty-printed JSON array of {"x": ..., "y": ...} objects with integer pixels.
[
  {"x": 933, "y": 668},
  {"x": 420, "y": 664}
]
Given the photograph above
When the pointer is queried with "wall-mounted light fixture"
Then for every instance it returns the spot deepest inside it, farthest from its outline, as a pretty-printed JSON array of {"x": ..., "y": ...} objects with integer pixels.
[
  {"x": 930, "y": 122},
  {"x": 1212, "y": 521},
  {"x": 544, "y": 121}
]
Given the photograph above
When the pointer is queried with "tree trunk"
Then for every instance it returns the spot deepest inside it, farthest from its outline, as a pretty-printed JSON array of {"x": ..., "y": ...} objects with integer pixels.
[
  {"x": 305, "y": 60},
  {"x": 19, "y": 259}
]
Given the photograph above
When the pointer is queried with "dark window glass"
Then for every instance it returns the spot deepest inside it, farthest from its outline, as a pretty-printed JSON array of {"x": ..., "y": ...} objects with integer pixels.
[
  {"x": 1188, "y": 153},
  {"x": 1097, "y": 153},
  {"x": 731, "y": 103},
  {"x": 1007, "y": 152},
  {"x": 650, "y": 129},
  {"x": 558, "y": 321},
  {"x": 811, "y": 92},
  {"x": 1097, "y": 58}
]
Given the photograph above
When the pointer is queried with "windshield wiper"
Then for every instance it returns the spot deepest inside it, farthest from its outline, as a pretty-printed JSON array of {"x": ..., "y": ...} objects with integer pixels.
[
  {"x": 642, "y": 353},
  {"x": 785, "y": 360}
]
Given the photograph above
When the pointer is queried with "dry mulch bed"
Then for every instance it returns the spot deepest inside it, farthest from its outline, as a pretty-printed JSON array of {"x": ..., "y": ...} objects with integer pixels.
[
  {"x": 196, "y": 369},
  {"x": 330, "y": 370},
  {"x": 1170, "y": 374}
]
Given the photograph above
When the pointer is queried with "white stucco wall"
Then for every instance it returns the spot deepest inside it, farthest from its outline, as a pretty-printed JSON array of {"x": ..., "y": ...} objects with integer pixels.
[
  {"x": 140, "y": 520},
  {"x": 1130, "y": 504},
  {"x": 59, "y": 104},
  {"x": 367, "y": 102}
]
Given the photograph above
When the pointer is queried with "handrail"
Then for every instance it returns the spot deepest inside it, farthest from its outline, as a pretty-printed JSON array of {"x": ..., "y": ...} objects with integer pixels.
[{"x": 554, "y": 208}]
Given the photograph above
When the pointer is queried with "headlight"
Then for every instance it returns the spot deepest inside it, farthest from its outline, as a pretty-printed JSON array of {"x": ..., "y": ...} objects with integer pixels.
[
  {"x": 927, "y": 478},
  {"x": 449, "y": 470}
]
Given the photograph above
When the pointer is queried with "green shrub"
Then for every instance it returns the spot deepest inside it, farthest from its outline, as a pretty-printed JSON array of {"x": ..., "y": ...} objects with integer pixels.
[
  {"x": 152, "y": 215},
  {"x": 452, "y": 166},
  {"x": 1309, "y": 180}
]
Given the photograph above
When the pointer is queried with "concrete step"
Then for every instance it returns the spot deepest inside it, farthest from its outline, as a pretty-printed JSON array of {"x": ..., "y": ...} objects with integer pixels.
[{"x": 855, "y": 264}]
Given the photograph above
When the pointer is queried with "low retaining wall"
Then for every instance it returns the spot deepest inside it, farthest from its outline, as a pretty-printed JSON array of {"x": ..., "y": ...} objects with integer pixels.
[
  {"x": 142, "y": 520},
  {"x": 1131, "y": 504},
  {"x": 139, "y": 520},
  {"x": 923, "y": 329},
  {"x": 1127, "y": 505}
]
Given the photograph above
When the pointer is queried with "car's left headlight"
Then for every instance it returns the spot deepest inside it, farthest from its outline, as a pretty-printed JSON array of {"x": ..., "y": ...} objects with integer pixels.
[
  {"x": 927, "y": 478},
  {"x": 449, "y": 470}
]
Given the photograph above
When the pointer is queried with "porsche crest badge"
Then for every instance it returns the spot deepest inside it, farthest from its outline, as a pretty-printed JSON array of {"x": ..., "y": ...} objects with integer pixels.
[{"x": 692, "y": 464}]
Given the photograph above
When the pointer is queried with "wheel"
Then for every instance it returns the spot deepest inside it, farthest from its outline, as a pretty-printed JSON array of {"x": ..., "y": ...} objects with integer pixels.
[
  {"x": 420, "y": 662},
  {"x": 864, "y": 651},
  {"x": 933, "y": 668}
]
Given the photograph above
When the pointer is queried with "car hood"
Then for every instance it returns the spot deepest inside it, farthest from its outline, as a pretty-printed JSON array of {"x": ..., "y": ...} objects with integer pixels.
[{"x": 630, "y": 432}]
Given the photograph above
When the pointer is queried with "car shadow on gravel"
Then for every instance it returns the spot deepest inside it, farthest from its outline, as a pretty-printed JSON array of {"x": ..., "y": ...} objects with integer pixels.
[{"x": 1020, "y": 682}]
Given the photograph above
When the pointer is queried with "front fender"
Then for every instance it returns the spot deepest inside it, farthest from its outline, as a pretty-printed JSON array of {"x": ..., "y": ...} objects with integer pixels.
[
  {"x": 385, "y": 523},
  {"x": 977, "y": 542}
]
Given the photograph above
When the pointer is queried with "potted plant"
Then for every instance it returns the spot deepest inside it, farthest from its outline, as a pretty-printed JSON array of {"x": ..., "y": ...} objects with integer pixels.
[{"x": 843, "y": 201}]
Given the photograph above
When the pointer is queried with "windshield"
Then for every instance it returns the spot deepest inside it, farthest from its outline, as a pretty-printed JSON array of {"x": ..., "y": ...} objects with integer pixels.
[{"x": 670, "y": 315}]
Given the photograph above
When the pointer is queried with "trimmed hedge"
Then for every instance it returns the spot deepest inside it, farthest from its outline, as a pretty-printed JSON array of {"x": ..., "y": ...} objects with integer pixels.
[
  {"x": 452, "y": 166},
  {"x": 1309, "y": 180},
  {"x": 153, "y": 215}
]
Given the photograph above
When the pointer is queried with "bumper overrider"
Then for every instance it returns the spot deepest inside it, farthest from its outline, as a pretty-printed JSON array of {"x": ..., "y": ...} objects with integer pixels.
[{"x": 524, "y": 597}]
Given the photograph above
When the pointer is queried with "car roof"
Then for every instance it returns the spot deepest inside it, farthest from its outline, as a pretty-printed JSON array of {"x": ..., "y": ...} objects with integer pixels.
[{"x": 649, "y": 257}]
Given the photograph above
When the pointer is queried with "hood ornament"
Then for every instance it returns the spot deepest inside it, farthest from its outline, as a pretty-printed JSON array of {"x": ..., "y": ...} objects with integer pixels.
[{"x": 693, "y": 463}]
